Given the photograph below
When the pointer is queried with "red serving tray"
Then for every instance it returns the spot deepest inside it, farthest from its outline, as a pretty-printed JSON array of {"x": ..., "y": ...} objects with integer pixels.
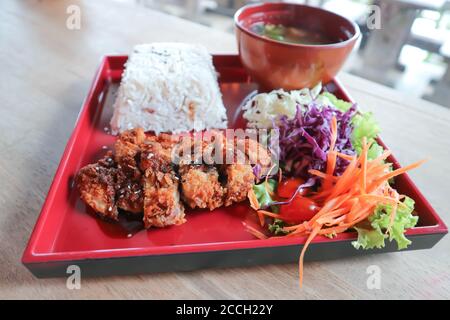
[{"x": 67, "y": 232}]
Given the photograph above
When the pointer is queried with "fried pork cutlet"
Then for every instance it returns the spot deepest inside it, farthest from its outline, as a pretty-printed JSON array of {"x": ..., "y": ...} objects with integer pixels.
[
  {"x": 142, "y": 175},
  {"x": 96, "y": 184},
  {"x": 128, "y": 184},
  {"x": 162, "y": 203},
  {"x": 200, "y": 182},
  {"x": 249, "y": 151},
  {"x": 239, "y": 174},
  {"x": 240, "y": 179},
  {"x": 201, "y": 187},
  {"x": 127, "y": 145},
  {"x": 129, "y": 193},
  {"x": 138, "y": 177},
  {"x": 243, "y": 153},
  {"x": 211, "y": 184}
]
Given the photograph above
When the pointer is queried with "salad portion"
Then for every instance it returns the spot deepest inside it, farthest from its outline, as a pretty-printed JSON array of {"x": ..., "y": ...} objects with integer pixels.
[{"x": 333, "y": 176}]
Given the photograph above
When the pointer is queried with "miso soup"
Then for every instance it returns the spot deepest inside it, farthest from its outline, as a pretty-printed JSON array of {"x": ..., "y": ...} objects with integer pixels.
[{"x": 290, "y": 34}]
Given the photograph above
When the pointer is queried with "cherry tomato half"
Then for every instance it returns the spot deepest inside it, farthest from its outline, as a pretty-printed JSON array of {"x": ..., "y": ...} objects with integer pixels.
[
  {"x": 287, "y": 187},
  {"x": 299, "y": 210}
]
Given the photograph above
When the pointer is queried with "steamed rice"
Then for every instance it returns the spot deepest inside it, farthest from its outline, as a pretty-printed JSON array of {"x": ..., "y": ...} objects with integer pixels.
[{"x": 169, "y": 87}]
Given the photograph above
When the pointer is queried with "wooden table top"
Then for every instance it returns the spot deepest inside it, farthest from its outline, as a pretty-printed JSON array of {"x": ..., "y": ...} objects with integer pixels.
[{"x": 46, "y": 73}]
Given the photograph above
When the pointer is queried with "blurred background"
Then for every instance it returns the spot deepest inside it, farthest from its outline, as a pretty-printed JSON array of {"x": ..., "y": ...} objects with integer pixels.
[{"x": 410, "y": 52}]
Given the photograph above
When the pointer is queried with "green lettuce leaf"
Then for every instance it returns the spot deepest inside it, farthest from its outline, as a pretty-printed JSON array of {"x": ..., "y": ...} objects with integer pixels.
[
  {"x": 375, "y": 150},
  {"x": 264, "y": 199},
  {"x": 261, "y": 193},
  {"x": 369, "y": 239},
  {"x": 403, "y": 220},
  {"x": 277, "y": 227},
  {"x": 337, "y": 103},
  {"x": 379, "y": 221},
  {"x": 364, "y": 125}
]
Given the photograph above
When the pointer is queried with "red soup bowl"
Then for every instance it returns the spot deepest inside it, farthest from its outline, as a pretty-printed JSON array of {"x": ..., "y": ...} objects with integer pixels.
[{"x": 275, "y": 64}]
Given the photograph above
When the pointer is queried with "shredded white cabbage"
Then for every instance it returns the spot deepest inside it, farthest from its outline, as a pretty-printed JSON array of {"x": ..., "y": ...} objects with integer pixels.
[{"x": 264, "y": 109}]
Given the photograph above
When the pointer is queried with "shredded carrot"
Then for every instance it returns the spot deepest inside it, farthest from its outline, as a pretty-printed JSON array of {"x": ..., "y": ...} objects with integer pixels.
[
  {"x": 384, "y": 199},
  {"x": 396, "y": 196},
  {"x": 322, "y": 175},
  {"x": 261, "y": 219},
  {"x": 382, "y": 157},
  {"x": 253, "y": 200},
  {"x": 344, "y": 156},
  {"x": 331, "y": 215},
  {"x": 311, "y": 236},
  {"x": 267, "y": 213},
  {"x": 266, "y": 181},
  {"x": 363, "y": 161},
  {"x": 402, "y": 170},
  {"x": 254, "y": 204},
  {"x": 254, "y": 231},
  {"x": 348, "y": 199},
  {"x": 346, "y": 180},
  {"x": 296, "y": 227},
  {"x": 331, "y": 156}
]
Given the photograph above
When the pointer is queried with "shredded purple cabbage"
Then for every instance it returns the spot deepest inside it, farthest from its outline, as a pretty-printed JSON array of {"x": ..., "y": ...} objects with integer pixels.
[
  {"x": 305, "y": 139},
  {"x": 257, "y": 171}
]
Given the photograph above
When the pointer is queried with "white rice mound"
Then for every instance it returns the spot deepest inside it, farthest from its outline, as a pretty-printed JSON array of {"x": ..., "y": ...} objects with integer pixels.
[{"x": 169, "y": 87}]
